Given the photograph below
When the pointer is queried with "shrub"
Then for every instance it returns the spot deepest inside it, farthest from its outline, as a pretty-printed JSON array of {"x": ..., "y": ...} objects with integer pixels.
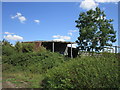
[
  {"x": 48, "y": 60},
  {"x": 18, "y": 46},
  {"x": 35, "y": 62},
  {"x": 9, "y": 68},
  {"x": 27, "y": 47},
  {"x": 85, "y": 72},
  {"x": 8, "y": 50}
]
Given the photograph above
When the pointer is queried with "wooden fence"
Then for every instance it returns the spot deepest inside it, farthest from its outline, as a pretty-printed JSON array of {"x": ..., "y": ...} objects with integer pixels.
[{"x": 112, "y": 49}]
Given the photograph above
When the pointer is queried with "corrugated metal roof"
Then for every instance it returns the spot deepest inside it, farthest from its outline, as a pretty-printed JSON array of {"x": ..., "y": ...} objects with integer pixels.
[{"x": 50, "y": 41}]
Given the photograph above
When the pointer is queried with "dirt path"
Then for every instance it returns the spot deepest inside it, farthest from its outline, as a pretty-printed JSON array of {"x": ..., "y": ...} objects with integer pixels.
[{"x": 8, "y": 84}]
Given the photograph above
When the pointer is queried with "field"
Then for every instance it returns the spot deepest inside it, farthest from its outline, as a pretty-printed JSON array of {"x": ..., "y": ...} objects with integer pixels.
[{"x": 44, "y": 69}]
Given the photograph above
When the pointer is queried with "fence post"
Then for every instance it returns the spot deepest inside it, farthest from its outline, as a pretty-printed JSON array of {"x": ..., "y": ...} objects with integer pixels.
[
  {"x": 115, "y": 49},
  {"x": 53, "y": 47},
  {"x": 71, "y": 51}
]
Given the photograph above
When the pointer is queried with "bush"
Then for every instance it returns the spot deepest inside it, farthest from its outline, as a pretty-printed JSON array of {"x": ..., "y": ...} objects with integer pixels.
[
  {"x": 8, "y": 50},
  {"x": 85, "y": 72},
  {"x": 27, "y": 47},
  {"x": 47, "y": 61},
  {"x": 9, "y": 68},
  {"x": 35, "y": 62}
]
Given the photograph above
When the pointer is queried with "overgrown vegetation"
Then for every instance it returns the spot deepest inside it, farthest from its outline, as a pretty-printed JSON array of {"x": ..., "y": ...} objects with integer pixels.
[
  {"x": 84, "y": 72},
  {"x": 27, "y": 59},
  {"x": 43, "y": 69},
  {"x": 23, "y": 58},
  {"x": 26, "y": 66}
]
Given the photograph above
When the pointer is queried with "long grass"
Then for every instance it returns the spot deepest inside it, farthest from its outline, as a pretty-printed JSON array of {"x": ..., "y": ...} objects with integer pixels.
[{"x": 80, "y": 72}]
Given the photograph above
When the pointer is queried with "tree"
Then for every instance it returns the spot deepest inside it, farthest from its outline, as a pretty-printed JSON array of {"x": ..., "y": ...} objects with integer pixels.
[
  {"x": 5, "y": 42},
  {"x": 95, "y": 30},
  {"x": 18, "y": 46},
  {"x": 27, "y": 47},
  {"x": 7, "y": 48}
]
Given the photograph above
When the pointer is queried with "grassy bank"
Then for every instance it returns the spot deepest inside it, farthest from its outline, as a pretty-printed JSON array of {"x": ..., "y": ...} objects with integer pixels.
[
  {"x": 25, "y": 68},
  {"x": 84, "y": 72},
  {"x": 81, "y": 72}
]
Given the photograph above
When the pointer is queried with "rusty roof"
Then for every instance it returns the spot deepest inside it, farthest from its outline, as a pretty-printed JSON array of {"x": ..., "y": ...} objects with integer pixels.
[{"x": 50, "y": 41}]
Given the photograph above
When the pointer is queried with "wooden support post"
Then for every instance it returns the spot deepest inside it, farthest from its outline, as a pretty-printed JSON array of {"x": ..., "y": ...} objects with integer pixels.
[
  {"x": 103, "y": 49},
  {"x": 71, "y": 51},
  {"x": 112, "y": 50},
  {"x": 107, "y": 49},
  {"x": 118, "y": 49},
  {"x": 115, "y": 49},
  {"x": 66, "y": 51},
  {"x": 53, "y": 47}
]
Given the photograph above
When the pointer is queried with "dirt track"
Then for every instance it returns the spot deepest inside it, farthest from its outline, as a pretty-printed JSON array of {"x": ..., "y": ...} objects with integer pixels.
[{"x": 7, "y": 84}]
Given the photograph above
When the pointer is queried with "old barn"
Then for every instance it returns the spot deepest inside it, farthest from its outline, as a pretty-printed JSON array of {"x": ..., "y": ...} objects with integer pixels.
[{"x": 57, "y": 46}]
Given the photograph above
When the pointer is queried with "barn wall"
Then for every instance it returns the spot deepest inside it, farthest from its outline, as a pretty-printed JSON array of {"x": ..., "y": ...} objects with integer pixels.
[
  {"x": 58, "y": 47},
  {"x": 74, "y": 52},
  {"x": 37, "y": 45}
]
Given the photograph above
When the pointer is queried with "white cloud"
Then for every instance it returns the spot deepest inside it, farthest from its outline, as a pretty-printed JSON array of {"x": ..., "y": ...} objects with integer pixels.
[
  {"x": 71, "y": 32},
  {"x": 56, "y": 36},
  {"x": 13, "y": 37},
  {"x": 107, "y": 1},
  {"x": 12, "y": 17},
  {"x": 58, "y": 40},
  {"x": 103, "y": 8},
  {"x": 88, "y": 4},
  {"x": 19, "y": 14},
  {"x": 92, "y": 4},
  {"x": 20, "y": 17},
  {"x": 37, "y": 21},
  {"x": 8, "y": 33},
  {"x": 63, "y": 38}
]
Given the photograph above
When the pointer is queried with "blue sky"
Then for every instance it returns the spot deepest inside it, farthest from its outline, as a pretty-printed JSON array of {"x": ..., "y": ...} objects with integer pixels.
[{"x": 25, "y": 21}]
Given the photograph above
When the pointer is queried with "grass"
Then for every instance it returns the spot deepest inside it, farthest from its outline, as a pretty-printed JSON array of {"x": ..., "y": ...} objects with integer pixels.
[
  {"x": 30, "y": 69},
  {"x": 28, "y": 79},
  {"x": 24, "y": 79},
  {"x": 87, "y": 72}
]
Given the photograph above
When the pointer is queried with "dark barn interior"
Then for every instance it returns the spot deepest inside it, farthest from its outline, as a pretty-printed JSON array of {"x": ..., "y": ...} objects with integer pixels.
[{"x": 57, "y": 46}]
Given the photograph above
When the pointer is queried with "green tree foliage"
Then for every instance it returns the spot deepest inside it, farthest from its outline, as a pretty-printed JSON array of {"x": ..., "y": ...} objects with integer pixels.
[
  {"x": 0, "y": 48},
  {"x": 35, "y": 62},
  {"x": 5, "y": 42},
  {"x": 57, "y": 72},
  {"x": 7, "y": 48},
  {"x": 95, "y": 30},
  {"x": 85, "y": 72},
  {"x": 18, "y": 46},
  {"x": 26, "y": 47},
  {"x": 24, "y": 57}
]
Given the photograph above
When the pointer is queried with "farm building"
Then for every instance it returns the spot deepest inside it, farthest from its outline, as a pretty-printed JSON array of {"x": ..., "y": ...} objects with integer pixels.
[{"x": 57, "y": 46}]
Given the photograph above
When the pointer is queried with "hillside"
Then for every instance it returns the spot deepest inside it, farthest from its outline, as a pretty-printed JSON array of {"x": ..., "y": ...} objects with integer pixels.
[{"x": 45, "y": 69}]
